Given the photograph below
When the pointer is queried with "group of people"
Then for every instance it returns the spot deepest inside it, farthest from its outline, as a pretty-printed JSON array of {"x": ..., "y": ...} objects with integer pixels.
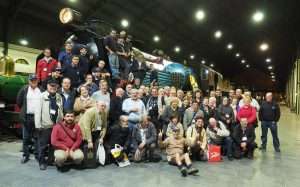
[{"x": 70, "y": 108}]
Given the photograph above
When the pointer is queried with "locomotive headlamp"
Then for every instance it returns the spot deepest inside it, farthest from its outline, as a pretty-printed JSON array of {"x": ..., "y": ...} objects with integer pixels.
[{"x": 68, "y": 15}]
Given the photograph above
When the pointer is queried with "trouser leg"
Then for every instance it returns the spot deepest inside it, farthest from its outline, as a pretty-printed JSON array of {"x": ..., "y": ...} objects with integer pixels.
[
  {"x": 28, "y": 128},
  {"x": 44, "y": 141},
  {"x": 264, "y": 133},
  {"x": 228, "y": 144},
  {"x": 60, "y": 157},
  {"x": 274, "y": 131},
  {"x": 77, "y": 156}
]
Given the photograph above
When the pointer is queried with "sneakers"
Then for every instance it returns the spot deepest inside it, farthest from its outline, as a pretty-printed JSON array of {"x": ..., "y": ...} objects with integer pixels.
[
  {"x": 183, "y": 171},
  {"x": 24, "y": 159},
  {"x": 192, "y": 171},
  {"x": 43, "y": 166}
]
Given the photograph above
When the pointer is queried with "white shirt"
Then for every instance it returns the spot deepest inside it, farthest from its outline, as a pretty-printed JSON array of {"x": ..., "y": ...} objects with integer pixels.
[
  {"x": 65, "y": 94},
  {"x": 33, "y": 99},
  {"x": 143, "y": 135}
]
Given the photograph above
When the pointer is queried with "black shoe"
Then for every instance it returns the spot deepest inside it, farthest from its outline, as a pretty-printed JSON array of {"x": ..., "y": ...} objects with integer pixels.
[
  {"x": 183, "y": 171},
  {"x": 230, "y": 158},
  {"x": 263, "y": 148},
  {"x": 192, "y": 171},
  {"x": 250, "y": 156},
  {"x": 43, "y": 166},
  {"x": 277, "y": 150},
  {"x": 24, "y": 159}
]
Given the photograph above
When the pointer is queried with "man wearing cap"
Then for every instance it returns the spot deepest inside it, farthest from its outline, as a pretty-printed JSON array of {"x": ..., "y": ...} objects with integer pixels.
[
  {"x": 45, "y": 66},
  {"x": 27, "y": 99},
  {"x": 48, "y": 112}
]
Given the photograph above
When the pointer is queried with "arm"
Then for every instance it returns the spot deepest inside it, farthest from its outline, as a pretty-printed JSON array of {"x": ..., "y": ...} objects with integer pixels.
[
  {"x": 55, "y": 142},
  {"x": 152, "y": 138},
  {"x": 277, "y": 113},
  {"x": 20, "y": 97},
  {"x": 260, "y": 113},
  {"x": 222, "y": 131},
  {"x": 204, "y": 140},
  {"x": 252, "y": 117},
  {"x": 104, "y": 126},
  {"x": 38, "y": 70},
  {"x": 185, "y": 119},
  {"x": 191, "y": 140},
  {"x": 77, "y": 106},
  {"x": 78, "y": 141}
]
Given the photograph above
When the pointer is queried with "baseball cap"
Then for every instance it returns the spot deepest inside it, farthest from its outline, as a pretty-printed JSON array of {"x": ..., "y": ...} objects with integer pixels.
[
  {"x": 32, "y": 77},
  {"x": 52, "y": 82}
]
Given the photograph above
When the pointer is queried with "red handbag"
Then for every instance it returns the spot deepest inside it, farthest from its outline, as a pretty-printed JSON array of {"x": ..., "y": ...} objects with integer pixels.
[{"x": 214, "y": 153}]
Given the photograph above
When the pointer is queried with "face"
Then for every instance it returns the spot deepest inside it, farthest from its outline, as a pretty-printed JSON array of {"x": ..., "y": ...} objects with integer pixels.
[
  {"x": 238, "y": 92},
  {"x": 101, "y": 64},
  {"x": 161, "y": 92},
  {"x": 212, "y": 122},
  {"x": 218, "y": 93},
  {"x": 231, "y": 93},
  {"x": 186, "y": 102},
  {"x": 119, "y": 92},
  {"x": 174, "y": 104},
  {"x": 198, "y": 94},
  {"x": 47, "y": 52},
  {"x": 244, "y": 122},
  {"x": 113, "y": 33},
  {"x": 176, "y": 134},
  {"x": 83, "y": 51},
  {"x": 101, "y": 106},
  {"x": 269, "y": 97},
  {"x": 134, "y": 95},
  {"x": 89, "y": 79},
  {"x": 69, "y": 118},
  {"x": 205, "y": 101},
  {"x": 199, "y": 123},
  {"x": 195, "y": 106},
  {"x": 154, "y": 92},
  {"x": 66, "y": 84},
  {"x": 68, "y": 47},
  {"x": 173, "y": 93},
  {"x": 75, "y": 60},
  {"x": 212, "y": 94},
  {"x": 52, "y": 88},
  {"x": 145, "y": 122},
  {"x": 124, "y": 121},
  {"x": 137, "y": 81},
  {"x": 212, "y": 102},
  {"x": 174, "y": 120},
  {"x": 33, "y": 83},
  {"x": 225, "y": 101},
  {"x": 140, "y": 94},
  {"x": 104, "y": 87},
  {"x": 180, "y": 94},
  {"x": 128, "y": 87},
  {"x": 84, "y": 92}
]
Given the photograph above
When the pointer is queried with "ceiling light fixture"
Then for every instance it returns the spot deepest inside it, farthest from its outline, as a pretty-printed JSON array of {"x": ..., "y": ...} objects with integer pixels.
[
  {"x": 156, "y": 38},
  {"x": 218, "y": 34},
  {"x": 243, "y": 61},
  {"x": 200, "y": 15},
  {"x": 247, "y": 66},
  {"x": 177, "y": 49},
  {"x": 270, "y": 67},
  {"x": 124, "y": 23},
  {"x": 203, "y": 61},
  {"x": 192, "y": 56},
  {"x": 264, "y": 46},
  {"x": 230, "y": 46},
  {"x": 258, "y": 16},
  {"x": 237, "y": 55},
  {"x": 212, "y": 65},
  {"x": 268, "y": 60},
  {"x": 23, "y": 42}
]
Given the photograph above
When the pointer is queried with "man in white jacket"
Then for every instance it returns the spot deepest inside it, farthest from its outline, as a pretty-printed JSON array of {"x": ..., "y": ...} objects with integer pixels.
[
  {"x": 217, "y": 134},
  {"x": 49, "y": 112}
]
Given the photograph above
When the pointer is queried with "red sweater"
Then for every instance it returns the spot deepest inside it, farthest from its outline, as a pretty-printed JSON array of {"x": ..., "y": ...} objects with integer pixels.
[
  {"x": 248, "y": 112},
  {"x": 61, "y": 140},
  {"x": 44, "y": 68}
]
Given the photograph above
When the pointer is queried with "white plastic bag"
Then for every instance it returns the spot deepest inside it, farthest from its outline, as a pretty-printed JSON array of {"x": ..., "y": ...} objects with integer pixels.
[{"x": 101, "y": 154}]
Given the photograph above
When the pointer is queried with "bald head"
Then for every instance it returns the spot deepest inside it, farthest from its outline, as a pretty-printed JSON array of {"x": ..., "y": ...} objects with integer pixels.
[
  {"x": 101, "y": 106},
  {"x": 119, "y": 92},
  {"x": 212, "y": 122},
  {"x": 269, "y": 96}
]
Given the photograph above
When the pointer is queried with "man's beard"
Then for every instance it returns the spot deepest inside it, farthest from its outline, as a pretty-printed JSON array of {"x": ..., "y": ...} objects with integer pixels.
[{"x": 69, "y": 122}]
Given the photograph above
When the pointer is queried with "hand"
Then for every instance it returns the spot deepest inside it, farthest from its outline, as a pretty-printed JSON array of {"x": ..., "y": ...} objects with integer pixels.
[
  {"x": 142, "y": 145},
  {"x": 228, "y": 121},
  {"x": 90, "y": 145},
  {"x": 243, "y": 144},
  {"x": 67, "y": 152},
  {"x": 160, "y": 134},
  {"x": 198, "y": 142},
  {"x": 71, "y": 152},
  {"x": 101, "y": 141}
]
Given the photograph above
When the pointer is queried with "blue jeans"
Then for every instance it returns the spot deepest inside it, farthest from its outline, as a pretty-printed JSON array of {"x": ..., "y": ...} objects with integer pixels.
[
  {"x": 264, "y": 135},
  {"x": 114, "y": 65},
  {"x": 227, "y": 143}
]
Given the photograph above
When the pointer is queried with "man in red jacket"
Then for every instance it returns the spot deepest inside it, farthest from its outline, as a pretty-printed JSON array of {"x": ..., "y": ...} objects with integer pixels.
[
  {"x": 66, "y": 138},
  {"x": 45, "y": 66},
  {"x": 247, "y": 111}
]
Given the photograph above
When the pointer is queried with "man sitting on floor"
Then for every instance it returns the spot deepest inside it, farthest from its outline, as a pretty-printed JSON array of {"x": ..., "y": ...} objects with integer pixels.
[
  {"x": 244, "y": 140},
  {"x": 66, "y": 138},
  {"x": 175, "y": 152}
]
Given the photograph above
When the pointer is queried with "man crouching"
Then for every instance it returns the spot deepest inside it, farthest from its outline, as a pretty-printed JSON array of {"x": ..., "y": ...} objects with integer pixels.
[
  {"x": 66, "y": 138},
  {"x": 175, "y": 152}
]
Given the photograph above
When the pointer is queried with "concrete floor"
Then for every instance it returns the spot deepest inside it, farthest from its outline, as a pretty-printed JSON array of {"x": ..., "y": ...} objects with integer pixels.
[{"x": 267, "y": 169}]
